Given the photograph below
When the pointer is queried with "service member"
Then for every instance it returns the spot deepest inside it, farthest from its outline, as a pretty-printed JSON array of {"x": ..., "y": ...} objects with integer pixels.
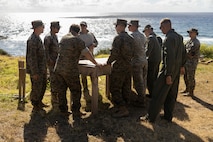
[
  {"x": 51, "y": 47},
  {"x": 139, "y": 63},
  {"x": 120, "y": 77},
  {"x": 193, "y": 54},
  {"x": 36, "y": 66},
  {"x": 166, "y": 88},
  {"x": 67, "y": 72}
]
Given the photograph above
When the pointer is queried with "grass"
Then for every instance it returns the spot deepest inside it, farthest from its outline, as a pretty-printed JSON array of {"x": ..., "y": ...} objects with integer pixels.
[{"x": 192, "y": 116}]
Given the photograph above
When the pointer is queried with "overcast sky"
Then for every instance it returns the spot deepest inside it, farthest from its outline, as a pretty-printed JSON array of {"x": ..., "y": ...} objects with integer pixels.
[{"x": 105, "y": 6}]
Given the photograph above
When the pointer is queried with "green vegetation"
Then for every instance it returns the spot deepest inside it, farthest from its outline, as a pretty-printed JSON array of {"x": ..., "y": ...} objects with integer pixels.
[
  {"x": 103, "y": 52},
  {"x": 2, "y": 52},
  {"x": 206, "y": 51},
  {"x": 22, "y": 126},
  {"x": 9, "y": 75},
  {"x": 9, "y": 68}
]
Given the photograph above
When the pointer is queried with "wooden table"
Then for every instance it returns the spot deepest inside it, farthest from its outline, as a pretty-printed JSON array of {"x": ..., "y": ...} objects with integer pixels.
[{"x": 87, "y": 68}]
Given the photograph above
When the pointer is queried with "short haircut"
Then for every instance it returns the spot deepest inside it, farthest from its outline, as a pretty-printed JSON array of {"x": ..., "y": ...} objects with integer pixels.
[
  {"x": 75, "y": 28},
  {"x": 165, "y": 21}
]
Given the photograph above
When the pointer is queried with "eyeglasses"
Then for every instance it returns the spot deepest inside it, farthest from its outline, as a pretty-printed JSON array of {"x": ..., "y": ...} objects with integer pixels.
[{"x": 82, "y": 25}]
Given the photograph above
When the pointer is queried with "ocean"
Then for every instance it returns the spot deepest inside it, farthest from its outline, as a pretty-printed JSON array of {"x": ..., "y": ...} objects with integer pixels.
[{"x": 15, "y": 28}]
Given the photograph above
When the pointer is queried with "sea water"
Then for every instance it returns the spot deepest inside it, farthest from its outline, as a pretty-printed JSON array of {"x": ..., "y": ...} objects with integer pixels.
[{"x": 15, "y": 28}]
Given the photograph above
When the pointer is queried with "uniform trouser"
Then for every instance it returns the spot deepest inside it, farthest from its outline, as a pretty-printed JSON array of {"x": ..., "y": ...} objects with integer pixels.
[
  {"x": 84, "y": 82},
  {"x": 189, "y": 76},
  {"x": 164, "y": 94},
  {"x": 139, "y": 74},
  {"x": 73, "y": 83},
  {"x": 120, "y": 86},
  {"x": 53, "y": 84},
  {"x": 153, "y": 70},
  {"x": 38, "y": 88}
]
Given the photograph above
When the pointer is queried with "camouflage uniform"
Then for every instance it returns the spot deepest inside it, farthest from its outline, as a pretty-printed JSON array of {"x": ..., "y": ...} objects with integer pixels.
[
  {"x": 120, "y": 78},
  {"x": 193, "y": 53},
  {"x": 139, "y": 64},
  {"x": 153, "y": 53},
  {"x": 36, "y": 64},
  {"x": 67, "y": 73},
  {"x": 164, "y": 94},
  {"x": 51, "y": 47}
]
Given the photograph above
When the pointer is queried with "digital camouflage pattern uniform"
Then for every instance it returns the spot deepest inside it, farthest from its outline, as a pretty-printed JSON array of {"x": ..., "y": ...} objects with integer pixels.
[
  {"x": 139, "y": 64},
  {"x": 193, "y": 53},
  {"x": 67, "y": 73},
  {"x": 153, "y": 53},
  {"x": 36, "y": 64},
  {"x": 120, "y": 78},
  {"x": 174, "y": 57},
  {"x": 51, "y": 47}
]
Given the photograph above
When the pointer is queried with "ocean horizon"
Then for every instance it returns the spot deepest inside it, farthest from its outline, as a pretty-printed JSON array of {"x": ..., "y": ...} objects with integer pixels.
[{"x": 16, "y": 27}]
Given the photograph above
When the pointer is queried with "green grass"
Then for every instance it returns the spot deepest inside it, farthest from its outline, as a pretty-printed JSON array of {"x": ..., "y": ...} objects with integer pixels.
[
  {"x": 189, "y": 123},
  {"x": 9, "y": 75}
]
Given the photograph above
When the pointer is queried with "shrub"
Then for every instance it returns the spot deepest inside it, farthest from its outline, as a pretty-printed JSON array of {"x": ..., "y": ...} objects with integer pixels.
[
  {"x": 206, "y": 50},
  {"x": 2, "y": 52}
]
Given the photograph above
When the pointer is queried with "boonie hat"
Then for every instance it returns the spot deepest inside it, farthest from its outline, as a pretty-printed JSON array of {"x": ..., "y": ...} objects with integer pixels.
[
  {"x": 134, "y": 22},
  {"x": 55, "y": 24},
  {"x": 121, "y": 22},
  {"x": 36, "y": 24},
  {"x": 193, "y": 30},
  {"x": 147, "y": 27}
]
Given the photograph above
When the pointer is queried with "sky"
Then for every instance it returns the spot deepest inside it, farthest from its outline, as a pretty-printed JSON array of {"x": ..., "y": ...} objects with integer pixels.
[{"x": 106, "y": 6}]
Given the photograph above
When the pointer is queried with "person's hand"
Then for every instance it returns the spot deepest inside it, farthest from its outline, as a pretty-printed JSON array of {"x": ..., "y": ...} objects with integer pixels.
[
  {"x": 182, "y": 70},
  {"x": 98, "y": 65},
  {"x": 35, "y": 77},
  {"x": 169, "y": 80}
]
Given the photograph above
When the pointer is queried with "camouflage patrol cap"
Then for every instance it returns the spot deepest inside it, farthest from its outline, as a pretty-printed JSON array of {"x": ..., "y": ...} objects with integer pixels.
[
  {"x": 121, "y": 22},
  {"x": 147, "y": 27},
  {"x": 36, "y": 24},
  {"x": 193, "y": 30},
  {"x": 134, "y": 22},
  {"x": 55, "y": 24},
  {"x": 83, "y": 23}
]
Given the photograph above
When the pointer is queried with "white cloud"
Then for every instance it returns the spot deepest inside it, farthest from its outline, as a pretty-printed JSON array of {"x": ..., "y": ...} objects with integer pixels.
[{"x": 107, "y": 6}]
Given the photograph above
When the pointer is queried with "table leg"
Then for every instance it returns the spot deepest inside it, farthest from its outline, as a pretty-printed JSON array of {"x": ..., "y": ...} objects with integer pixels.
[
  {"x": 107, "y": 87},
  {"x": 94, "y": 100}
]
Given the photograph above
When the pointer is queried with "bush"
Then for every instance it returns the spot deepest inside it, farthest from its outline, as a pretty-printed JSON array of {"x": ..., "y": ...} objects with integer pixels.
[
  {"x": 206, "y": 51},
  {"x": 2, "y": 52},
  {"x": 103, "y": 51}
]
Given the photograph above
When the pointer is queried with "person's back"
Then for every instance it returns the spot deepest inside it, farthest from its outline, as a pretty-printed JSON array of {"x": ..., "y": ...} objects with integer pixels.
[
  {"x": 139, "y": 54},
  {"x": 153, "y": 52},
  {"x": 69, "y": 53},
  {"x": 123, "y": 51}
]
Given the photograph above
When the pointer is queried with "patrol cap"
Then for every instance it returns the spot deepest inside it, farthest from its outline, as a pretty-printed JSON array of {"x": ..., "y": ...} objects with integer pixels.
[
  {"x": 36, "y": 24},
  {"x": 134, "y": 22},
  {"x": 121, "y": 22},
  {"x": 193, "y": 30},
  {"x": 147, "y": 27},
  {"x": 83, "y": 23},
  {"x": 55, "y": 24}
]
